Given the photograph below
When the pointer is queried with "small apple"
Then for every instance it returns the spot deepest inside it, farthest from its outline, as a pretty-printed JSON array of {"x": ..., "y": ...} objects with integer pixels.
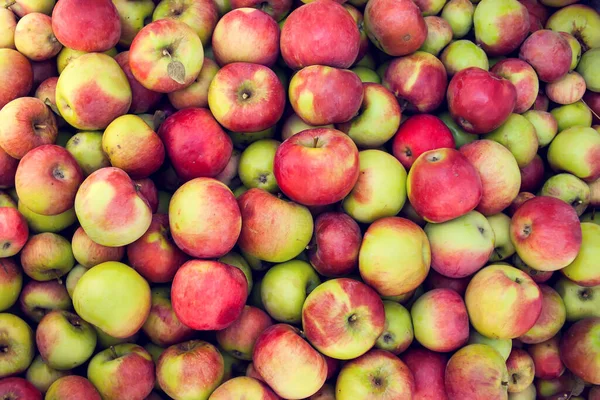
[
  {"x": 398, "y": 331},
  {"x": 18, "y": 345},
  {"x": 566, "y": 90},
  {"x": 580, "y": 301},
  {"x": 256, "y": 165},
  {"x": 439, "y": 35},
  {"x": 73, "y": 277},
  {"x": 459, "y": 14},
  {"x": 42, "y": 376},
  {"x": 520, "y": 370},
  {"x": 47, "y": 256},
  {"x": 579, "y": 350},
  {"x": 546, "y": 126},
  {"x": 196, "y": 95},
  {"x": 503, "y": 247},
  {"x": 575, "y": 150},
  {"x": 35, "y": 39},
  {"x": 463, "y": 54},
  {"x": 550, "y": 321},
  {"x": 72, "y": 387},
  {"x": 239, "y": 338},
  {"x": 13, "y": 231},
  {"x": 89, "y": 253},
  {"x": 523, "y": 77},
  {"x": 133, "y": 15},
  {"x": 86, "y": 148},
  {"x": 162, "y": 326},
  {"x": 502, "y": 346},
  {"x": 39, "y": 298},
  {"x": 568, "y": 116},
  {"x": 568, "y": 188},
  {"x": 519, "y": 136}
]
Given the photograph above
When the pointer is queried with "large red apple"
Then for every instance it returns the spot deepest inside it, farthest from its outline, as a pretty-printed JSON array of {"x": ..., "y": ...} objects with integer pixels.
[
  {"x": 18, "y": 389},
  {"x": 428, "y": 369}
]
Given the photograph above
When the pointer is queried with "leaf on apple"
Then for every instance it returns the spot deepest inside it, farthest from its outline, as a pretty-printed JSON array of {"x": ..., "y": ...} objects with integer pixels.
[
  {"x": 578, "y": 387},
  {"x": 176, "y": 71}
]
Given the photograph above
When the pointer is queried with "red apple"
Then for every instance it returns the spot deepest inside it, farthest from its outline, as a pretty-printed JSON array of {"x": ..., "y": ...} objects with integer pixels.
[
  {"x": 46, "y": 92},
  {"x": 532, "y": 175},
  {"x": 428, "y": 370},
  {"x": 518, "y": 202},
  {"x": 239, "y": 338},
  {"x": 550, "y": 321},
  {"x": 541, "y": 102},
  {"x": 16, "y": 76},
  {"x": 34, "y": 37},
  {"x": 43, "y": 70},
  {"x": 592, "y": 99},
  {"x": 72, "y": 387},
  {"x": 523, "y": 77},
  {"x": 580, "y": 351},
  {"x": 549, "y": 53},
  {"x": 520, "y": 370},
  {"x": 538, "y": 14},
  {"x": 435, "y": 280},
  {"x": 8, "y": 169},
  {"x": 546, "y": 358},
  {"x": 162, "y": 326},
  {"x": 148, "y": 190},
  {"x": 89, "y": 253},
  {"x": 278, "y": 9},
  {"x": 18, "y": 389},
  {"x": 13, "y": 231},
  {"x": 195, "y": 95},
  {"x": 500, "y": 26},
  {"x": 142, "y": 99},
  {"x": 358, "y": 17}
]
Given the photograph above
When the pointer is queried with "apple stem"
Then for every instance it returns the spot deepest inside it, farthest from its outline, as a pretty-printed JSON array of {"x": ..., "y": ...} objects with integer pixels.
[
  {"x": 114, "y": 352},
  {"x": 10, "y": 3},
  {"x": 166, "y": 53},
  {"x": 37, "y": 126}
]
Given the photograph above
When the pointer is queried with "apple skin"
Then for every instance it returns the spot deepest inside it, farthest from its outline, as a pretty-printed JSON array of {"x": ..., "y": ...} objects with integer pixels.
[
  {"x": 385, "y": 243},
  {"x": 133, "y": 16},
  {"x": 240, "y": 337},
  {"x": 388, "y": 378},
  {"x": 47, "y": 223},
  {"x": 28, "y": 123},
  {"x": 496, "y": 315},
  {"x": 294, "y": 124},
  {"x": 8, "y": 169},
  {"x": 520, "y": 370},
  {"x": 580, "y": 21},
  {"x": 462, "y": 54},
  {"x": 398, "y": 332},
  {"x": 40, "y": 375},
  {"x": 459, "y": 14},
  {"x": 437, "y": 313},
  {"x": 18, "y": 339},
  {"x": 255, "y": 167},
  {"x": 579, "y": 350},
  {"x": 572, "y": 115},
  {"x": 243, "y": 386},
  {"x": 14, "y": 231},
  {"x": 72, "y": 387},
  {"x": 142, "y": 99},
  {"x": 311, "y": 90},
  {"x": 335, "y": 244},
  {"x": 538, "y": 225},
  {"x": 305, "y": 40},
  {"x": 162, "y": 326},
  {"x": 439, "y": 35},
  {"x": 11, "y": 282},
  {"x": 576, "y": 150},
  {"x": 503, "y": 247},
  {"x": 64, "y": 340},
  {"x": 190, "y": 285},
  {"x": 18, "y": 388},
  {"x": 201, "y": 16},
  {"x": 47, "y": 256},
  {"x": 343, "y": 318},
  {"x": 73, "y": 277},
  {"x": 89, "y": 253},
  {"x": 532, "y": 175},
  {"x": 502, "y": 346},
  {"x": 278, "y": 9},
  {"x": 549, "y": 53},
  {"x": 580, "y": 301},
  {"x": 238, "y": 261},
  {"x": 196, "y": 144},
  {"x": 39, "y": 298},
  {"x": 418, "y": 80},
  {"x": 566, "y": 90},
  {"x": 195, "y": 95},
  {"x": 287, "y": 363},
  {"x": 125, "y": 371},
  {"x": 16, "y": 76},
  {"x": 386, "y": 21},
  {"x": 92, "y": 91},
  {"x": 568, "y": 188},
  {"x": 431, "y": 180},
  {"x": 524, "y": 79},
  {"x": 34, "y": 37},
  {"x": 428, "y": 369},
  {"x": 518, "y": 202},
  {"x": 148, "y": 190},
  {"x": 550, "y": 321},
  {"x": 584, "y": 270},
  {"x": 113, "y": 297},
  {"x": 480, "y": 101},
  {"x": 149, "y": 60},
  {"x": 8, "y": 21},
  {"x": 52, "y": 171},
  {"x": 435, "y": 280},
  {"x": 492, "y": 19},
  {"x": 595, "y": 192},
  {"x": 86, "y": 148}
]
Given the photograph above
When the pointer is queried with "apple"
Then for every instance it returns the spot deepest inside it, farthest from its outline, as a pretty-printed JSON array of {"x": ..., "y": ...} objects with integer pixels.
[
  {"x": 11, "y": 282},
  {"x": 72, "y": 387},
  {"x": 6, "y": 200},
  {"x": 243, "y": 386},
  {"x": 67, "y": 55},
  {"x": 502, "y": 346},
  {"x": 566, "y": 90},
  {"x": 166, "y": 55},
  {"x": 294, "y": 124},
  {"x": 278, "y": 9},
  {"x": 435, "y": 280},
  {"x": 418, "y": 80},
  {"x": 524, "y": 79},
  {"x": 575, "y": 49},
  {"x": 335, "y": 245},
  {"x": 572, "y": 115},
  {"x": 133, "y": 16},
  {"x": 518, "y": 202},
  {"x": 18, "y": 347},
  {"x": 274, "y": 230},
  {"x": 463, "y": 54},
  {"x": 500, "y": 25},
  {"x": 306, "y": 40},
  {"x": 583, "y": 270},
  {"x": 311, "y": 89},
  {"x": 580, "y": 301},
  {"x": 89, "y": 253},
  {"x": 195, "y": 95},
  {"x": 39, "y": 298},
  {"x": 46, "y": 92},
  {"x": 162, "y": 326},
  {"x": 538, "y": 15},
  {"x": 575, "y": 150},
  {"x": 406, "y": 243},
  {"x": 256, "y": 165},
  {"x": 16, "y": 76},
  {"x": 543, "y": 44},
  {"x": 556, "y": 388},
  {"x": 376, "y": 373},
  {"x": 579, "y": 20},
  {"x": 568, "y": 188},
  {"x": 550, "y": 321},
  {"x": 380, "y": 190},
  {"x": 586, "y": 68},
  {"x": 287, "y": 363},
  {"x": 13, "y": 231},
  {"x": 124, "y": 371},
  {"x": 579, "y": 350},
  {"x": 386, "y": 21},
  {"x": 461, "y": 137},
  {"x": 148, "y": 190},
  {"x": 476, "y": 369},
  {"x": 142, "y": 99},
  {"x": 64, "y": 340},
  {"x": 40, "y": 375},
  {"x": 47, "y": 256},
  {"x": 520, "y": 370},
  {"x": 105, "y": 341},
  {"x": 7, "y": 33},
  {"x": 113, "y": 297},
  {"x": 196, "y": 144},
  {"x": 439, "y": 35},
  {"x": 428, "y": 369},
  {"x": 8, "y": 169},
  {"x": 503, "y": 247},
  {"x": 542, "y": 103},
  {"x": 201, "y": 16},
  {"x": 459, "y": 14},
  {"x": 398, "y": 331},
  {"x": 285, "y": 287},
  {"x": 239, "y": 338},
  {"x": 546, "y": 126},
  {"x": 238, "y": 261},
  {"x": 433, "y": 183},
  {"x": 86, "y": 148},
  {"x": 73, "y": 277},
  {"x": 34, "y": 37},
  {"x": 18, "y": 388}
]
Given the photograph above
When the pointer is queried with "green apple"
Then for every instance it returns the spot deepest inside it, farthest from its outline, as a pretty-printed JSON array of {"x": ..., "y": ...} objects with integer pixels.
[
  {"x": 133, "y": 15},
  {"x": 39, "y": 298},
  {"x": 502, "y": 346},
  {"x": 368, "y": 60},
  {"x": 17, "y": 346},
  {"x": 380, "y": 190},
  {"x": 113, "y": 297},
  {"x": 243, "y": 139},
  {"x": 463, "y": 54},
  {"x": 256, "y": 165},
  {"x": 285, "y": 287},
  {"x": 398, "y": 333},
  {"x": 580, "y": 302},
  {"x": 439, "y": 34},
  {"x": 6, "y": 200},
  {"x": 11, "y": 283},
  {"x": 459, "y": 14},
  {"x": 73, "y": 277},
  {"x": 67, "y": 55},
  {"x": 529, "y": 393},
  {"x": 570, "y": 189},
  {"x": 240, "y": 190},
  {"x": 591, "y": 217},
  {"x": 47, "y": 223},
  {"x": 575, "y": 150},
  {"x": 461, "y": 137},
  {"x": 518, "y": 135},
  {"x": 294, "y": 124},
  {"x": 47, "y": 256},
  {"x": 86, "y": 148},
  {"x": 236, "y": 259},
  {"x": 588, "y": 68},
  {"x": 545, "y": 125},
  {"x": 570, "y": 115},
  {"x": 585, "y": 269},
  {"x": 41, "y": 375},
  {"x": 366, "y": 75},
  {"x": 575, "y": 49},
  {"x": 105, "y": 340},
  {"x": 503, "y": 247}
]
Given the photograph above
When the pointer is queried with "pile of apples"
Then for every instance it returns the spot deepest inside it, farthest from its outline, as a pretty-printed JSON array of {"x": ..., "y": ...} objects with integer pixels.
[{"x": 270, "y": 199}]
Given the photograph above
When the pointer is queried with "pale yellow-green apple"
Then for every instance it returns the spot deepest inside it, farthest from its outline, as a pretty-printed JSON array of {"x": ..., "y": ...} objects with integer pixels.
[
  {"x": 67, "y": 55},
  {"x": 125, "y": 371},
  {"x": 285, "y": 287},
  {"x": 546, "y": 233},
  {"x": 162, "y": 326},
  {"x": 377, "y": 120},
  {"x": 580, "y": 352},
  {"x": 502, "y": 346},
  {"x": 47, "y": 180},
  {"x": 238, "y": 261},
  {"x": 377, "y": 373},
  {"x": 459, "y": 14},
  {"x": 428, "y": 370},
  {"x": 461, "y": 246},
  {"x": 545, "y": 125},
  {"x": 39, "y": 298},
  {"x": 204, "y": 218},
  {"x": 28, "y": 123},
  {"x": 201, "y": 16},
  {"x": 572, "y": 115},
  {"x": 47, "y": 223},
  {"x": 580, "y": 301},
  {"x": 243, "y": 387},
  {"x": 584, "y": 270},
  {"x": 11, "y": 283},
  {"x": 256, "y": 165},
  {"x": 113, "y": 297},
  {"x": 64, "y": 340},
  {"x": 520, "y": 370},
  {"x": 566, "y": 90},
  {"x": 194, "y": 279},
  {"x": 73, "y": 277},
  {"x": 462, "y": 54},
  {"x": 387, "y": 242},
  {"x": 440, "y": 320},
  {"x": 34, "y": 37},
  {"x": 47, "y": 256},
  {"x": 550, "y": 321},
  {"x": 18, "y": 343},
  {"x": 518, "y": 135},
  {"x": 439, "y": 35},
  {"x": 65, "y": 387},
  {"x": 503, "y": 302},
  {"x": 549, "y": 53},
  {"x": 166, "y": 55},
  {"x": 585, "y": 68},
  {"x": 461, "y": 137},
  {"x": 476, "y": 371},
  {"x": 576, "y": 150},
  {"x": 8, "y": 24},
  {"x": 366, "y": 75},
  {"x": 294, "y": 124},
  {"x": 546, "y": 358},
  {"x": 503, "y": 247},
  {"x": 110, "y": 209},
  {"x": 380, "y": 190},
  {"x": 86, "y": 148},
  {"x": 524, "y": 79},
  {"x": 89, "y": 253},
  {"x": 579, "y": 20},
  {"x": 14, "y": 231},
  {"x": 40, "y": 375},
  {"x": 335, "y": 245},
  {"x": 398, "y": 331},
  {"x": 239, "y": 338},
  {"x": 575, "y": 48},
  {"x": 569, "y": 189},
  {"x": 274, "y": 230},
  {"x": 195, "y": 95},
  {"x": 92, "y": 91},
  {"x": 430, "y": 7},
  {"x": 343, "y": 318},
  {"x": 6, "y": 200},
  {"x": 434, "y": 181},
  {"x": 133, "y": 15},
  {"x": 17, "y": 75},
  {"x": 492, "y": 19},
  {"x": 288, "y": 363}
]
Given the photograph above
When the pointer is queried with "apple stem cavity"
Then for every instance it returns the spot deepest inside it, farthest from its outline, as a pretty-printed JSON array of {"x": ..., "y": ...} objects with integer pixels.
[
  {"x": 10, "y": 3},
  {"x": 113, "y": 352}
]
